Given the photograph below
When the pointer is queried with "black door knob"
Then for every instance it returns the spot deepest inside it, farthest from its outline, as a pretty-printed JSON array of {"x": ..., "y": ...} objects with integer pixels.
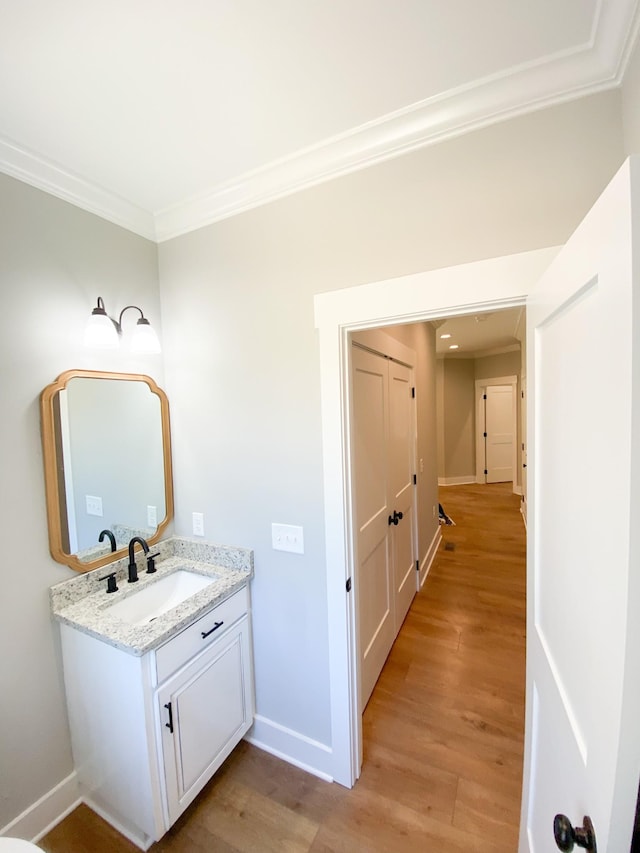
[
  {"x": 395, "y": 518},
  {"x": 567, "y": 836}
]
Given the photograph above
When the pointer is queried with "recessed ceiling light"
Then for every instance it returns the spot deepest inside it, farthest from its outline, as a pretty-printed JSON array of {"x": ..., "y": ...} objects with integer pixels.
[
  {"x": 453, "y": 346},
  {"x": 445, "y": 336}
]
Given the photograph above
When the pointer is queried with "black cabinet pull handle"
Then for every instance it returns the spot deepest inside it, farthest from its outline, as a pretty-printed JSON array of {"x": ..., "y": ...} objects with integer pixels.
[
  {"x": 216, "y": 625},
  {"x": 169, "y": 725}
]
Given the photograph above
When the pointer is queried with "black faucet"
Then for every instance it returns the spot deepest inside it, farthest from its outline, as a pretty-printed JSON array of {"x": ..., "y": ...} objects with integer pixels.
[
  {"x": 111, "y": 537},
  {"x": 133, "y": 569}
]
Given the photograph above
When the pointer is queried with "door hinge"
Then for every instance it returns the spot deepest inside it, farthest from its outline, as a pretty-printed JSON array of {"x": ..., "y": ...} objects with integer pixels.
[
  {"x": 484, "y": 396},
  {"x": 485, "y": 471},
  {"x": 415, "y": 479},
  {"x": 417, "y": 565},
  {"x": 484, "y": 434},
  {"x": 348, "y": 584},
  {"x": 413, "y": 392}
]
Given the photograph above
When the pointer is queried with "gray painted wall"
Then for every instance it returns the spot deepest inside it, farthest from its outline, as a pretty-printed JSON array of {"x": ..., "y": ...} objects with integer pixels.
[
  {"x": 459, "y": 393},
  {"x": 55, "y": 260},
  {"x": 458, "y": 401}
]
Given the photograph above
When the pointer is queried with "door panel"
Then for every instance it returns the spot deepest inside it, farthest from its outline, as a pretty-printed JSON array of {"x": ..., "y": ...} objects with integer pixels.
[
  {"x": 499, "y": 430},
  {"x": 401, "y": 471},
  {"x": 204, "y": 710},
  {"x": 203, "y": 730},
  {"x": 583, "y": 748},
  {"x": 375, "y": 616},
  {"x": 370, "y": 436},
  {"x": 383, "y": 440}
]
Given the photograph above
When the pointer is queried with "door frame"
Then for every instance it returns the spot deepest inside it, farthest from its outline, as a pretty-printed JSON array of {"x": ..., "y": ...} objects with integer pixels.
[
  {"x": 502, "y": 282},
  {"x": 480, "y": 440}
]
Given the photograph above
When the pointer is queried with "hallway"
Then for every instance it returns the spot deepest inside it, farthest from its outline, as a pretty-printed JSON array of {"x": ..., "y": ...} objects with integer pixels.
[{"x": 443, "y": 730}]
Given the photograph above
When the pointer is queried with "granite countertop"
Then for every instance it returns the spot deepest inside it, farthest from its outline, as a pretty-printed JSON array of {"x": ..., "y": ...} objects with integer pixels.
[{"x": 84, "y": 603}]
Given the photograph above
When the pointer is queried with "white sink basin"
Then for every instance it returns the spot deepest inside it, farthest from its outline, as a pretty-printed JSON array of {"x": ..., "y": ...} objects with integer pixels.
[{"x": 152, "y": 601}]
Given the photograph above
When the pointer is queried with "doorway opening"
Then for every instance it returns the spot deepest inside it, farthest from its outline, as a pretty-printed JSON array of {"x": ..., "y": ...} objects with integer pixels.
[
  {"x": 372, "y": 475},
  {"x": 482, "y": 286}
]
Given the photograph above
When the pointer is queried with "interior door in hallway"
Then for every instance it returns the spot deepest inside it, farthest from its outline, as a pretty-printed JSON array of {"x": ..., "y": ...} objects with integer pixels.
[
  {"x": 582, "y": 754},
  {"x": 383, "y": 428},
  {"x": 499, "y": 437},
  {"x": 401, "y": 462}
]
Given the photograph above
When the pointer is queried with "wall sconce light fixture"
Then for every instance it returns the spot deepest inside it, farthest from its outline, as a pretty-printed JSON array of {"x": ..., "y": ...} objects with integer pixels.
[{"x": 103, "y": 332}]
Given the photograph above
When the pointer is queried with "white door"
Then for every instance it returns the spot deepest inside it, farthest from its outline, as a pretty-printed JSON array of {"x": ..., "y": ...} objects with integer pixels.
[
  {"x": 373, "y": 581},
  {"x": 499, "y": 437},
  {"x": 401, "y": 470},
  {"x": 523, "y": 427},
  {"x": 582, "y": 754},
  {"x": 383, "y": 430}
]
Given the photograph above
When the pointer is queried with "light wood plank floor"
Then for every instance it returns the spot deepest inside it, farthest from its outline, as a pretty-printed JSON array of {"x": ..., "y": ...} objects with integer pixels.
[{"x": 443, "y": 729}]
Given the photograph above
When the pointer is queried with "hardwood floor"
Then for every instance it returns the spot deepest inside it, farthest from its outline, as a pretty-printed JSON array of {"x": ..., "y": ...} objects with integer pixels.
[{"x": 443, "y": 729}]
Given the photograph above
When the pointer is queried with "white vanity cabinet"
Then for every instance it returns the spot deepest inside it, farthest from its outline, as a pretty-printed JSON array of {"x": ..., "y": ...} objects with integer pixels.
[
  {"x": 149, "y": 731},
  {"x": 205, "y": 708}
]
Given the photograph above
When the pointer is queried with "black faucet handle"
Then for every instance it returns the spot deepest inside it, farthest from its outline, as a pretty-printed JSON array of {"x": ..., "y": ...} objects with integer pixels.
[
  {"x": 151, "y": 563},
  {"x": 111, "y": 582}
]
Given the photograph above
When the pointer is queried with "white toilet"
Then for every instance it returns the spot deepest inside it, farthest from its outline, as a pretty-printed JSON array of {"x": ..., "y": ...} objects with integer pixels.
[{"x": 17, "y": 845}]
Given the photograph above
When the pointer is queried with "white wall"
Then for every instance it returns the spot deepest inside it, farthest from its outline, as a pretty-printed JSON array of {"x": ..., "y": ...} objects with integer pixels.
[
  {"x": 54, "y": 262},
  {"x": 242, "y": 362}
]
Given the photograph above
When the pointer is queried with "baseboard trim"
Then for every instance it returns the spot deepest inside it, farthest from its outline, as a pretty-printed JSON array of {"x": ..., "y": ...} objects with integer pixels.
[
  {"x": 291, "y": 746},
  {"x": 468, "y": 480},
  {"x": 425, "y": 565},
  {"x": 40, "y": 817},
  {"x": 140, "y": 843}
]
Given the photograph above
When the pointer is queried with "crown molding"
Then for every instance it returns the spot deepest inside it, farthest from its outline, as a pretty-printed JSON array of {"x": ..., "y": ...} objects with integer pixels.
[
  {"x": 596, "y": 66},
  {"x": 46, "y": 175},
  {"x": 592, "y": 68}
]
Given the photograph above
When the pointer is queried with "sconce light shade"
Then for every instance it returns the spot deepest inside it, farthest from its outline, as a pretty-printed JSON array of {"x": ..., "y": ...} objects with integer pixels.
[
  {"x": 100, "y": 331},
  {"x": 144, "y": 338}
]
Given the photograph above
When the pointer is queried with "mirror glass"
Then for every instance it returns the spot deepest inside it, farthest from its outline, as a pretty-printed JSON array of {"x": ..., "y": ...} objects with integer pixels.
[{"x": 107, "y": 464}]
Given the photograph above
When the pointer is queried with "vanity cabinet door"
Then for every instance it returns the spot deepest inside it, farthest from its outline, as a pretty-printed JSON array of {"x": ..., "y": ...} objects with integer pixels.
[{"x": 204, "y": 711}]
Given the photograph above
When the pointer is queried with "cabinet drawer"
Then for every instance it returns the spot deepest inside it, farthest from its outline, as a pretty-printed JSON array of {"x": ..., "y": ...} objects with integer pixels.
[{"x": 189, "y": 642}]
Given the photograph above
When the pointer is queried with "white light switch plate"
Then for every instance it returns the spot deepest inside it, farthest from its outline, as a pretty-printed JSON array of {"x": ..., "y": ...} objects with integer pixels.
[
  {"x": 287, "y": 537},
  {"x": 152, "y": 516}
]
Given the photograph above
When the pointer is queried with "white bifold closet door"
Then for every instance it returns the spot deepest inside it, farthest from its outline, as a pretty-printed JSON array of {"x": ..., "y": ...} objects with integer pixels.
[{"x": 383, "y": 443}]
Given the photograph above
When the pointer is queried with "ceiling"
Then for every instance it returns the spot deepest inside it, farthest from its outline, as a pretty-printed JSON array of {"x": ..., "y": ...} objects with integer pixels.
[
  {"x": 165, "y": 115},
  {"x": 482, "y": 334}
]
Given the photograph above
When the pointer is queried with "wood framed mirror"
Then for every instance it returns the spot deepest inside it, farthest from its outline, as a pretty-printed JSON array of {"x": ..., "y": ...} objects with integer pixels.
[{"x": 107, "y": 464}]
